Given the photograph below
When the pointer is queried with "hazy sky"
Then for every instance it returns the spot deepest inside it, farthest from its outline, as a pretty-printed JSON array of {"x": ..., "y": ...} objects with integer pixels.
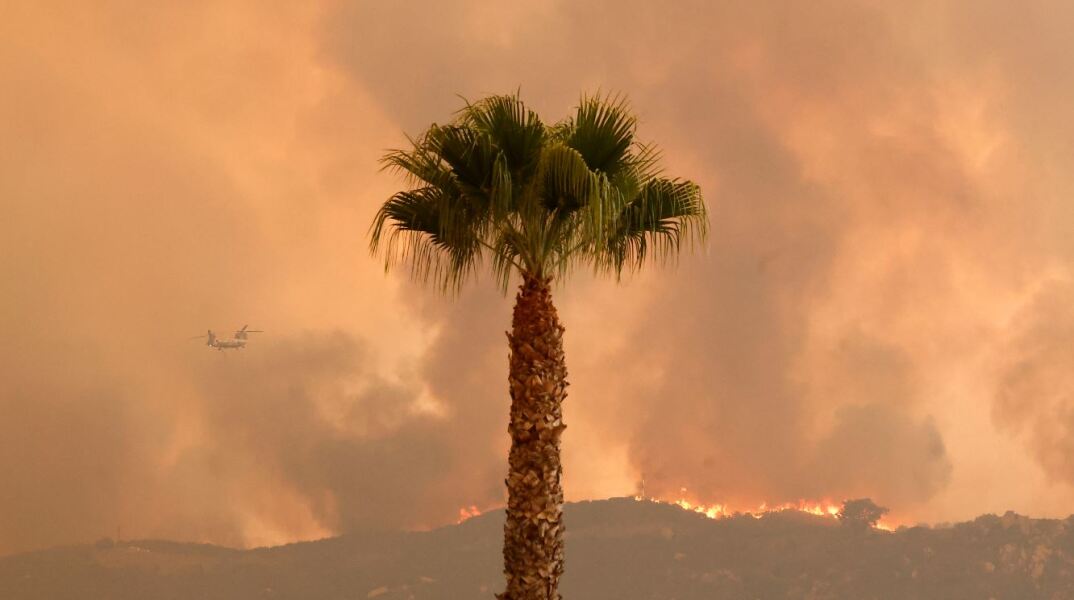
[{"x": 885, "y": 307}]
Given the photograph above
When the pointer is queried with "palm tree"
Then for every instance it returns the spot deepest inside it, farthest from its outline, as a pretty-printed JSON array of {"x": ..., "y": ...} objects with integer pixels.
[{"x": 534, "y": 200}]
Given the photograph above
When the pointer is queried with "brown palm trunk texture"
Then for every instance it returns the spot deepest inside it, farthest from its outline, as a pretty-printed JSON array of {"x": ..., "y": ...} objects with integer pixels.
[{"x": 533, "y": 533}]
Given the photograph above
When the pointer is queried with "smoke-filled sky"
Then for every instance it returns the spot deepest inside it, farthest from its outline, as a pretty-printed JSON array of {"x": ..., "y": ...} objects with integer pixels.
[{"x": 885, "y": 307}]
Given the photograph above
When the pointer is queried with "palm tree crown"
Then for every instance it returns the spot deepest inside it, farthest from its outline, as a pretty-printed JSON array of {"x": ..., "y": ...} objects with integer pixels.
[{"x": 497, "y": 182}]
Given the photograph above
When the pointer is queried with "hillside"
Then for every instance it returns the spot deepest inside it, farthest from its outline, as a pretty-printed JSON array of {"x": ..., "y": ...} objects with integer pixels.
[{"x": 617, "y": 549}]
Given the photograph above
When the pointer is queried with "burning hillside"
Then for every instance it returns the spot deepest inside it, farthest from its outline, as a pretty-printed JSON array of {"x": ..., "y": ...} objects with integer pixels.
[
  {"x": 621, "y": 549},
  {"x": 823, "y": 508}
]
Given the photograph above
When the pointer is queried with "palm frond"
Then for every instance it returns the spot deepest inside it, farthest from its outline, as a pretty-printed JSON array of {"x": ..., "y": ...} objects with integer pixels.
[
  {"x": 513, "y": 129},
  {"x": 467, "y": 153},
  {"x": 422, "y": 231},
  {"x": 602, "y": 131},
  {"x": 419, "y": 165},
  {"x": 665, "y": 214},
  {"x": 567, "y": 183},
  {"x": 643, "y": 162}
]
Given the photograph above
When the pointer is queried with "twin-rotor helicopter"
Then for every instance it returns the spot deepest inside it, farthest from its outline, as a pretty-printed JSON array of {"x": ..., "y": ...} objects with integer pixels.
[{"x": 236, "y": 343}]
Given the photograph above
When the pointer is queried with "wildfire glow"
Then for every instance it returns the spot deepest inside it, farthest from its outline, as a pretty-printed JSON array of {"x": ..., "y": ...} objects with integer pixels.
[
  {"x": 467, "y": 512},
  {"x": 821, "y": 508},
  {"x": 716, "y": 511}
]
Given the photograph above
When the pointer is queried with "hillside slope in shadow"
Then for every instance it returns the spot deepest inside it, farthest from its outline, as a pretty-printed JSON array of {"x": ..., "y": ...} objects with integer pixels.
[{"x": 618, "y": 549}]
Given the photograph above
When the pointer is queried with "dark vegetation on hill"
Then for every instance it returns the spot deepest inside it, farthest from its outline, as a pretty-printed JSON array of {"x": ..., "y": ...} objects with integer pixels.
[{"x": 618, "y": 549}]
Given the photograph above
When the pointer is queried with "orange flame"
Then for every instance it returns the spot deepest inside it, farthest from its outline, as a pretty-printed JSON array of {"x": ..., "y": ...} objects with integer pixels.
[
  {"x": 885, "y": 526},
  {"x": 467, "y": 512},
  {"x": 821, "y": 508}
]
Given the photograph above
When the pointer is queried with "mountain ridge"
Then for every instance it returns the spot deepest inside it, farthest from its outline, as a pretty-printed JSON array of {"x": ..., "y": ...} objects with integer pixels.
[{"x": 617, "y": 548}]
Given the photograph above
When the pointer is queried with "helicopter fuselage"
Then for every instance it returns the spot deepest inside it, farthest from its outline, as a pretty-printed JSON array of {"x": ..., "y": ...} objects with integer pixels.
[{"x": 228, "y": 344}]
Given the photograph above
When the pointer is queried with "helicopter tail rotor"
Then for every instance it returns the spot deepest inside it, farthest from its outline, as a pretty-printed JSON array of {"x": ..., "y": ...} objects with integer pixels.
[{"x": 209, "y": 337}]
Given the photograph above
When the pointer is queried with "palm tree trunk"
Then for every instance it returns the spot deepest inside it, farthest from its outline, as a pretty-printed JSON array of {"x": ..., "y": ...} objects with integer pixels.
[{"x": 533, "y": 533}]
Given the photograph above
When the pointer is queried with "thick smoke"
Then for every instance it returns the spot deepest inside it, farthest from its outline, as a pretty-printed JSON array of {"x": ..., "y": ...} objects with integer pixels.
[
  {"x": 151, "y": 190},
  {"x": 309, "y": 416},
  {"x": 1035, "y": 382},
  {"x": 890, "y": 194},
  {"x": 722, "y": 406}
]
